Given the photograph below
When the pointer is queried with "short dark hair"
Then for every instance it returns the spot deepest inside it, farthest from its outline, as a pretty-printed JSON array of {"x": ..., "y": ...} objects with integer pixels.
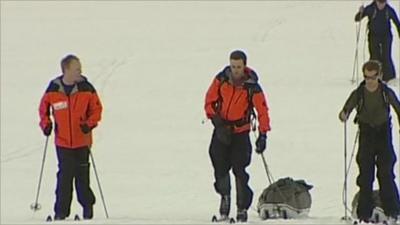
[
  {"x": 67, "y": 60},
  {"x": 237, "y": 54},
  {"x": 372, "y": 65}
]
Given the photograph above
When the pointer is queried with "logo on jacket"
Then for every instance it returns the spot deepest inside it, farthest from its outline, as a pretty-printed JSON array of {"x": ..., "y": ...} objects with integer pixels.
[{"x": 60, "y": 105}]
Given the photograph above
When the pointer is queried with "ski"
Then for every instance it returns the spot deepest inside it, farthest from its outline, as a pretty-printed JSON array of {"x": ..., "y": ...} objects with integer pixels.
[
  {"x": 49, "y": 218},
  {"x": 384, "y": 222},
  {"x": 223, "y": 219},
  {"x": 390, "y": 222}
]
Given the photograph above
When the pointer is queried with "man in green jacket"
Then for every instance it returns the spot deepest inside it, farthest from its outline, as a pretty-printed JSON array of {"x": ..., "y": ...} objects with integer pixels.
[{"x": 373, "y": 99}]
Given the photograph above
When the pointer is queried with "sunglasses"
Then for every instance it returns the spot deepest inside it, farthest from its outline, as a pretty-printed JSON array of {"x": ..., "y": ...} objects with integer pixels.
[{"x": 371, "y": 77}]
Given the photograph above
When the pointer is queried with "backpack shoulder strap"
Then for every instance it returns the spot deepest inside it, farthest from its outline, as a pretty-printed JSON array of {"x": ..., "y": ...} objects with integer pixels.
[
  {"x": 251, "y": 89},
  {"x": 374, "y": 13},
  {"x": 387, "y": 13},
  {"x": 223, "y": 78},
  {"x": 385, "y": 94},
  {"x": 360, "y": 100},
  {"x": 360, "y": 96},
  {"x": 250, "y": 93}
]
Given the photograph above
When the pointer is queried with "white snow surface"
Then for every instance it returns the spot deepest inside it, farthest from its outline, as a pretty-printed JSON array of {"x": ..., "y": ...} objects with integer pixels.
[{"x": 152, "y": 63}]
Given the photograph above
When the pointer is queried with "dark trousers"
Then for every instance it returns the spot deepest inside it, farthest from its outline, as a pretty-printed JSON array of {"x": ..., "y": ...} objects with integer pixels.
[
  {"x": 235, "y": 156},
  {"x": 376, "y": 148},
  {"x": 380, "y": 48},
  {"x": 72, "y": 164}
]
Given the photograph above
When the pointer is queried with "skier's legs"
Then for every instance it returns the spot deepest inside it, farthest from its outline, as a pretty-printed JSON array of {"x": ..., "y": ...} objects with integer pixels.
[
  {"x": 241, "y": 157},
  {"x": 366, "y": 163},
  {"x": 374, "y": 48},
  {"x": 220, "y": 158},
  {"x": 385, "y": 163},
  {"x": 82, "y": 182},
  {"x": 65, "y": 175},
  {"x": 387, "y": 62}
]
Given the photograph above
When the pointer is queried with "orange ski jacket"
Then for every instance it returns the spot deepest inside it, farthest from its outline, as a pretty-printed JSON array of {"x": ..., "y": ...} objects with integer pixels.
[
  {"x": 70, "y": 112},
  {"x": 233, "y": 104}
]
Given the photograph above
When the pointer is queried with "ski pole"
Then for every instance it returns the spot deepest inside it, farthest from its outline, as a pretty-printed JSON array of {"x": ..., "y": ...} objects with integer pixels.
[
  {"x": 98, "y": 183},
  {"x": 365, "y": 43},
  {"x": 345, "y": 172},
  {"x": 353, "y": 152},
  {"x": 354, "y": 78},
  {"x": 398, "y": 69},
  {"x": 36, "y": 206},
  {"x": 348, "y": 169}
]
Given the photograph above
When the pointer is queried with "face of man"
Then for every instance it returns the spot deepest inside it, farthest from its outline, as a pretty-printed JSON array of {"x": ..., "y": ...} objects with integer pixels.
[
  {"x": 371, "y": 77},
  {"x": 237, "y": 68},
  {"x": 73, "y": 71},
  {"x": 381, "y": 4}
]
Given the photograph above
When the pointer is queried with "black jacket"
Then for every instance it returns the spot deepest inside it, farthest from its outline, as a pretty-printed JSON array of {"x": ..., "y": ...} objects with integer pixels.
[{"x": 379, "y": 20}]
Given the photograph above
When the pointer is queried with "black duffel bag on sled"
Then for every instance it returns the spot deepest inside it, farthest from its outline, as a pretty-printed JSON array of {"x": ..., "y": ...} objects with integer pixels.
[{"x": 286, "y": 198}]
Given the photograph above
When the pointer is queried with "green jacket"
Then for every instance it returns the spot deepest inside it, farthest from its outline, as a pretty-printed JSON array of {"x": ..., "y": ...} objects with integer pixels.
[{"x": 373, "y": 108}]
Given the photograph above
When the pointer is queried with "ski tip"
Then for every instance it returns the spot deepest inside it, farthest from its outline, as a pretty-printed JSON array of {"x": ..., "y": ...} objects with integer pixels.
[
  {"x": 385, "y": 222},
  {"x": 226, "y": 219},
  {"x": 77, "y": 218},
  {"x": 49, "y": 218}
]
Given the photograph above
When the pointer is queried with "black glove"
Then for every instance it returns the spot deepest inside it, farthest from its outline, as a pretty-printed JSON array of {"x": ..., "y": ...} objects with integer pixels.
[
  {"x": 222, "y": 130},
  {"x": 261, "y": 143},
  {"x": 85, "y": 128},
  {"x": 47, "y": 129}
]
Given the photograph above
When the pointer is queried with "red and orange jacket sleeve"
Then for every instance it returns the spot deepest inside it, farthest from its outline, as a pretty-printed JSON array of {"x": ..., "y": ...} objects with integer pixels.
[
  {"x": 44, "y": 111},
  {"x": 212, "y": 97},
  {"x": 260, "y": 103},
  {"x": 94, "y": 110}
]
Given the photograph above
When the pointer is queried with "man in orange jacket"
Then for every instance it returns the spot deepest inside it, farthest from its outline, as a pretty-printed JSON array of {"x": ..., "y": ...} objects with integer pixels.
[
  {"x": 229, "y": 104},
  {"x": 76, "y": 110}
]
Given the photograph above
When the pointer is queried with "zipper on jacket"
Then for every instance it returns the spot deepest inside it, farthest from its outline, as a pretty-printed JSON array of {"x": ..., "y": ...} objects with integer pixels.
[
  {"x": 70, "y": 120},
  {"x": 230, "y": 103},
  {"x": 238, "y": 98}
]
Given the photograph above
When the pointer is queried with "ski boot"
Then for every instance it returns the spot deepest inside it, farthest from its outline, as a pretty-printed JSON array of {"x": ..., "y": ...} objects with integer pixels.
[
  {"x": 225, "y": 205},
  {"x": 88, "y": 212},
  {"x": 224, "y": 209},
  {"x": 59, "y": 217},
  {"x": 241, "y": 216}
]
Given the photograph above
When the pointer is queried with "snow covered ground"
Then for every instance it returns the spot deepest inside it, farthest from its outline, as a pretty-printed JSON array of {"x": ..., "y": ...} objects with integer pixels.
[{"x": 151, "y": 63}]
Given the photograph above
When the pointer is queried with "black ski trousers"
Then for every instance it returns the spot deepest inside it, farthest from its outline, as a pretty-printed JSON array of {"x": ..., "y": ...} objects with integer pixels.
[
  {"x": 380, "y": 48},
  {"x": 235, "y": 156},
  {"x": 376, "y": 149},
  {"x": 72, "y": 164}
]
